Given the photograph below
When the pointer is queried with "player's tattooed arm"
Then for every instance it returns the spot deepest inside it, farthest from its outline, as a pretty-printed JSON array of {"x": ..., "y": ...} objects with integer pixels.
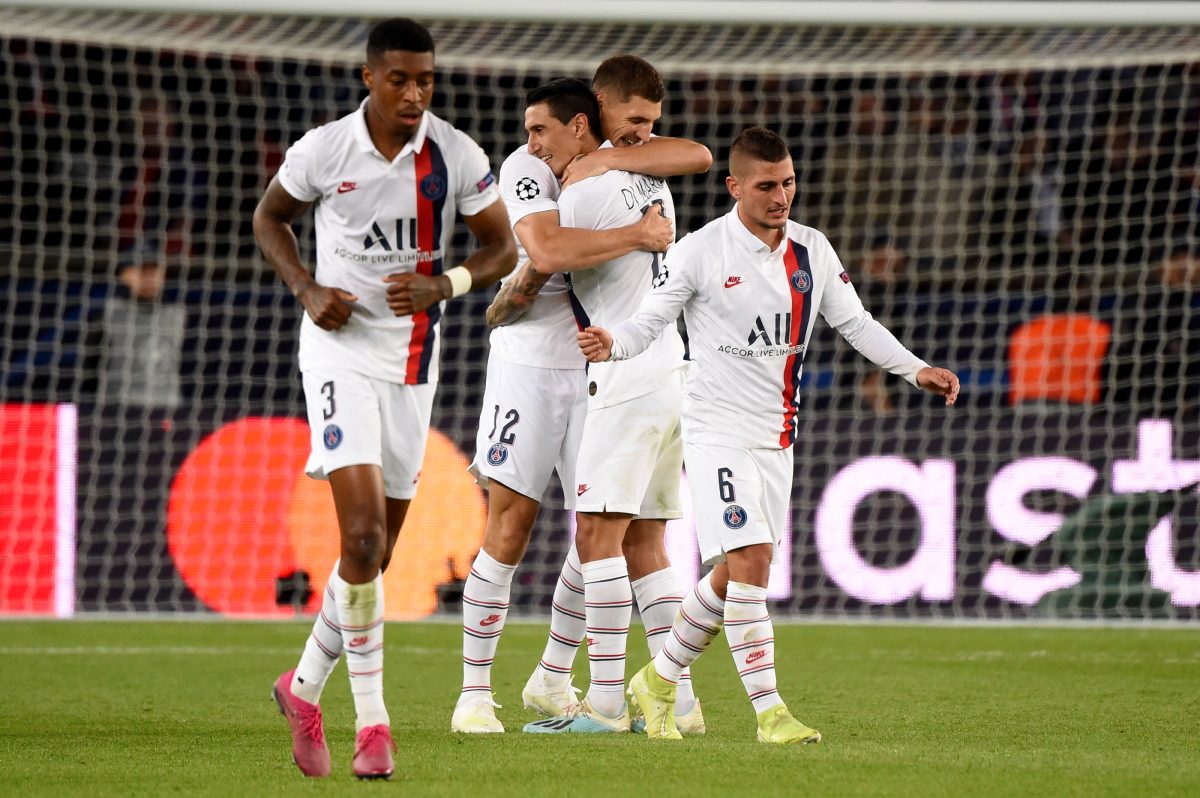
[{"x": 516, "y": 295}]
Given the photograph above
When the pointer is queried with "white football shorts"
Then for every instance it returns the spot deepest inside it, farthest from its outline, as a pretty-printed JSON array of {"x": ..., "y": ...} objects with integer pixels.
[
  {"x": 631, "y": 456},
  {"x": 529, "y": 427},
  {"x": 740, "y": 497},
  {"x": 355, "y": 420}
]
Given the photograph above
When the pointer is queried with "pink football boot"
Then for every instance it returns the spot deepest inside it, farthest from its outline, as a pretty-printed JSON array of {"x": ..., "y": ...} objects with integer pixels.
[
  {"x": 373, "y": 753},
  {"x": 308, "y": 733}
]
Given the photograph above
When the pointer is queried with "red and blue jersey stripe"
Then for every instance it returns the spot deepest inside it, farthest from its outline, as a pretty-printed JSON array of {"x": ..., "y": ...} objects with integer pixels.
[
  {"x": 432, "y": 185},
  {"x": 795, "y": 260}
]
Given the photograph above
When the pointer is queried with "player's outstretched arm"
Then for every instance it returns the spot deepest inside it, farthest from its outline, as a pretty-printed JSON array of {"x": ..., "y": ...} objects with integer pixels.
[
  {"x": 940, "y": 382},
  {"x": 596, "y": 344},
  {"x": 497, "y": 254},
  {"x": 328, "y": 307},
  {"x": 516, "y": 295},
  {"x": 658, "y": 308},
  {"x": 554, "y": 248},
  {"x": 876, "y": 343},
  {"x": 660, "y": 157}
]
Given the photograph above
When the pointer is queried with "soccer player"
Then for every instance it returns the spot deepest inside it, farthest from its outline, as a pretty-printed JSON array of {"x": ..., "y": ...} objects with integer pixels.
[
  {"x": 387, "y": 181},
  {"x": 750, "y": 285},
  {"x": 630, "y": 457},
  {"x": 535, "y": 398}
]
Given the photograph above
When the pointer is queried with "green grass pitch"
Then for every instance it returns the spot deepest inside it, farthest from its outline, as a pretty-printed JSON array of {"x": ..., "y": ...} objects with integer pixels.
[{"x": 156, "y": 708}]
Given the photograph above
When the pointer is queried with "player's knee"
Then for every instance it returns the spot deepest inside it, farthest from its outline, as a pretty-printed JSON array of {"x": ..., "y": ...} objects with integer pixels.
[
  {"x": 750, "y": 565},
  {"x": 506, "y": 544},
  {"x": 644, "y": 548},
  {"x": 507, "y": 533},
  {"x": 641, "y": 553},
  {"x": 364, "y": 543}
]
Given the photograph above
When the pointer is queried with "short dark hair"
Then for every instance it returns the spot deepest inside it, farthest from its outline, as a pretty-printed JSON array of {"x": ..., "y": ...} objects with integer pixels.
[
  {"x": 629, "y": 76},
  {"x": 760, "y": 144},
  {"x": 398, "y": 33},
  {"x": 567, "y": 98}
]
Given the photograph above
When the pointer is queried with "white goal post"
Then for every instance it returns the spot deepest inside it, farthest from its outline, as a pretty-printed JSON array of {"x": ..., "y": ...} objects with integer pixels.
[{"x": 1018, "y": 13}]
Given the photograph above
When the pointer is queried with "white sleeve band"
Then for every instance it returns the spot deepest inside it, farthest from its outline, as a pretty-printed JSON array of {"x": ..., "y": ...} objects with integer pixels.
[{"x": 460, "y": 280}]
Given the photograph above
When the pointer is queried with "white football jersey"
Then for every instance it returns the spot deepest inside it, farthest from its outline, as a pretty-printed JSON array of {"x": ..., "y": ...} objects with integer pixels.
[
  {"x": 545, "y": 335},
  {"x": 376, "y": 217},
  {"x": 611, "y": 292},
  {"x": 750, "y": 312}
]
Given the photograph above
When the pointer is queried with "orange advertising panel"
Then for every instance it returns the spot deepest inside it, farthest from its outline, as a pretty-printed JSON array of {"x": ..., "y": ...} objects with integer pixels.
[{"x": 242, "y": 513}]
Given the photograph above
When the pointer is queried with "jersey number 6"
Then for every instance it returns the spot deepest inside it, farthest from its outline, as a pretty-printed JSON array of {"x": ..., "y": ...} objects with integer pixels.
[{"x": 725, "y": 486}]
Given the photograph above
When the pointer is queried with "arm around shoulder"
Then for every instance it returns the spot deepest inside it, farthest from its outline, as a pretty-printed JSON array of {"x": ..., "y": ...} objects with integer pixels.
[
  {"x": 556, "y": 247},
  {"x": 659, "y": 157}
]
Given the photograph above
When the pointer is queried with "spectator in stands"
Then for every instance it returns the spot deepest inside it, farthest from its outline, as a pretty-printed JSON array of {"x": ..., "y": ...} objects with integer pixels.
[
  {"x": 140, "y": 270},
  {"x": 1181, "y": 143},
  {"x": 940, "y": 172},
  {"x": 1124, "y": 195},
  {"x": 161, "y": 203},
  {"x": 162, "y": 198},
  {"x": 886, "y": 287},
  {"x": 1155, "y": 361},
  {"x": 859, "y": 189},
  {"x": 1024, "y": 220},
  {"x": 1003, "y": 103}
]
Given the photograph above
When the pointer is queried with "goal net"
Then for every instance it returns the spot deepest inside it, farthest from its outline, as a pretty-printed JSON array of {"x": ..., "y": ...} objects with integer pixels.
[{"x": 1016, "y": 203}]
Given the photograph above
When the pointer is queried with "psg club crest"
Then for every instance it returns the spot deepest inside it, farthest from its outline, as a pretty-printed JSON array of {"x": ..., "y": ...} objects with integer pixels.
[
  {"x": 735, "y": 516},
  {"x": 497, "y": 454},
  {"x": 433, "y": 187},
  {"x": 527, "y": 189},
  {"x": 332, "y": 436},
  {"x": 801, "y": 281}
]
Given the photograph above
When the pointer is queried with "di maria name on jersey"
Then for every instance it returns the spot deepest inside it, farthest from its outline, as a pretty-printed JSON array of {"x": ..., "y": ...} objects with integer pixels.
[
  {"x": 376, "y": 217},
  {"x": 611, "y": 292}
]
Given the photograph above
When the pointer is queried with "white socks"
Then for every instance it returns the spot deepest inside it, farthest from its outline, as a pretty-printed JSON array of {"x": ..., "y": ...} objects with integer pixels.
[
  {"x": 323, "y": 649},
  {"x": 699, "y": 620},
  {"x": 608, "y": 606},
  {"x": 752, "y": 642},
  {"x": 567, "y": 623},
  {"x": 485, "y": 607},
  {"x": 658, "y": 598},
  {"x": 360, "y": 611}
]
